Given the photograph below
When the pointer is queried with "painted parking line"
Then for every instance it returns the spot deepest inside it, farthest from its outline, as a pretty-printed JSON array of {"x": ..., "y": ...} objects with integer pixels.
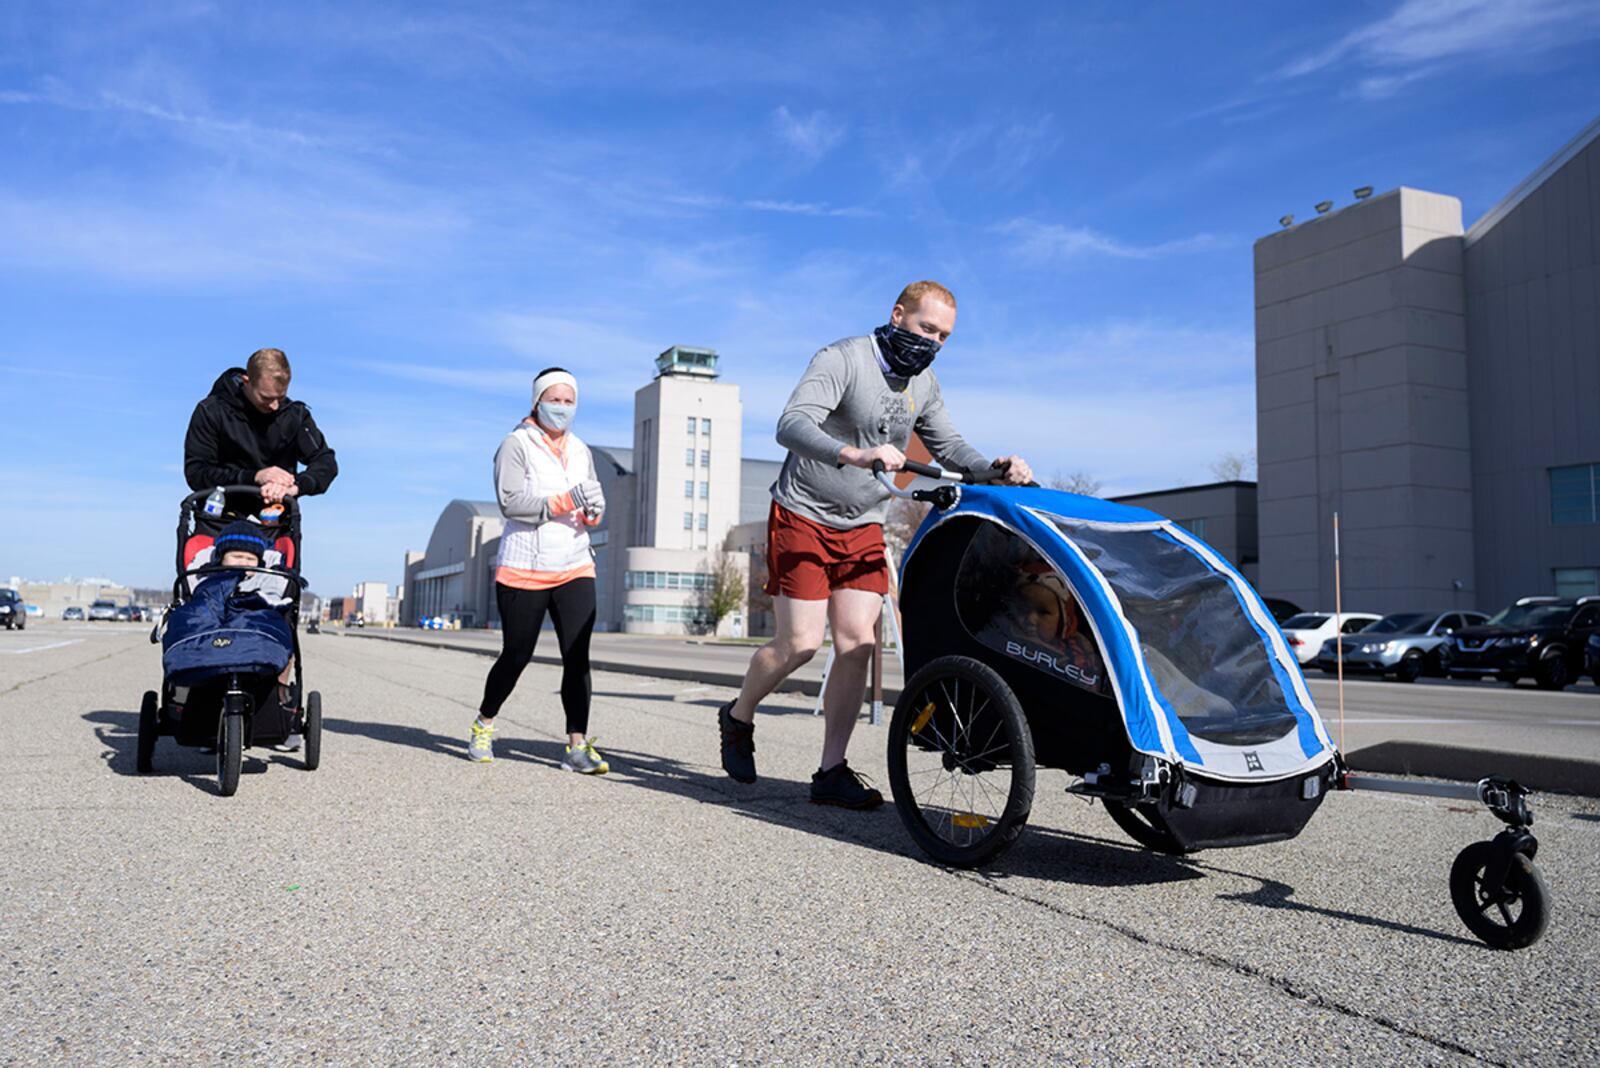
[
  {"x": 1400, "y": 719},
  {"x": 41, "y": 648}
]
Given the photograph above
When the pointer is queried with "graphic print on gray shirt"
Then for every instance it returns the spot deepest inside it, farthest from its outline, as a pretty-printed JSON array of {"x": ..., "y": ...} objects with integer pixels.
[{"x": 846, "y": 398}]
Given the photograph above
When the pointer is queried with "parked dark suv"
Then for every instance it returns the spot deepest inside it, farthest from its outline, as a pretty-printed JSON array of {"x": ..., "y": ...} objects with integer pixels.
[
  {"x": 1539, "y": 636},
  {"x": 13, "y": 613}
]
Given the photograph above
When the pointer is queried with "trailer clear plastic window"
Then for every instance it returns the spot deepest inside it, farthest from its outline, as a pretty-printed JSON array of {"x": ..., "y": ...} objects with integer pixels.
[{"x": 1207, "y": 660}]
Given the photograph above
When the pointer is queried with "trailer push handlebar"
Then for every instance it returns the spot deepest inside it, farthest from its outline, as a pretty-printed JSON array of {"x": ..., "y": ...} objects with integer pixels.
[{"x": 941, "y": 497}]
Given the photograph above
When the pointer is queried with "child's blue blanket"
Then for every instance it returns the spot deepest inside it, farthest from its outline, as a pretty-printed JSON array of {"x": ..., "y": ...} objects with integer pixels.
[{"x": 222, "y": 629}]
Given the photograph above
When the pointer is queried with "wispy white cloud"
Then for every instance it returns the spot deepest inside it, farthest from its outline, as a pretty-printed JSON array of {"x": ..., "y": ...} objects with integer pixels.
[
  {"x": 220, "y": 234},
  {"x": 1419, "y": 37},
  {"x": 238, "y": 133},
  {"x": 812, "y": 136},
  {"x": 1054, "y": 242}
]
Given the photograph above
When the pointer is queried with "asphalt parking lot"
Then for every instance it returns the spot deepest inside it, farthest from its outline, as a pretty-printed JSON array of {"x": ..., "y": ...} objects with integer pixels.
[{"x": 401, "y": 905}]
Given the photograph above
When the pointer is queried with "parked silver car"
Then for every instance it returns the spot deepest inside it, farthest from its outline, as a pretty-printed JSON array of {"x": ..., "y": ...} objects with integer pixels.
[{"x": 1407, "y": 645}]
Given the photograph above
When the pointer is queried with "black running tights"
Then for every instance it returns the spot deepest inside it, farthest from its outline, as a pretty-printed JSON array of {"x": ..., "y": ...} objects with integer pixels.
[{"x": 571, "y": 607}]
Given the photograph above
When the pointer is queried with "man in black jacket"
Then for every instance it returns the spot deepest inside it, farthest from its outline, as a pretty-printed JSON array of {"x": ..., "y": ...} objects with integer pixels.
[{"x": 247, "y": 431}]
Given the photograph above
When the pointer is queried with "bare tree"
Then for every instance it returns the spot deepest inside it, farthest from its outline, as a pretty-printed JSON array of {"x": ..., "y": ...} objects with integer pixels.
[
  {"x": 723, "y": 593},
  {"x": 1080, "y": 482},
  {"x": 1232, "y": 466}
]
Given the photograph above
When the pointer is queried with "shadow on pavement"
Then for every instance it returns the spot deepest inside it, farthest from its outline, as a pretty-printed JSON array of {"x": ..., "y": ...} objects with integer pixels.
[
  {"x": 1275, "y": 895},
  {"x": 506, "y": 746},
  {"x": 1042, "y": 853},
  {"x": 119, "y": 733}
]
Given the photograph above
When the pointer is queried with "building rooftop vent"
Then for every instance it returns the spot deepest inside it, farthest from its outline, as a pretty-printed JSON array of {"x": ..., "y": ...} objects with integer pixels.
[{"x": 687, "y": 360}]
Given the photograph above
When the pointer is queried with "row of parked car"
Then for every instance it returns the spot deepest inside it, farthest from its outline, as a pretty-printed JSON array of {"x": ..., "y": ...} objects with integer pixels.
[
  {"x": 111, "y": 612},
  {"x": 1552, "y": 640}
]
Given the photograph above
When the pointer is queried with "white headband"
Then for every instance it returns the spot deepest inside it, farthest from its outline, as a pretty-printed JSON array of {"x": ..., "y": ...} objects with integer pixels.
[{"x": 553, "y": 378}]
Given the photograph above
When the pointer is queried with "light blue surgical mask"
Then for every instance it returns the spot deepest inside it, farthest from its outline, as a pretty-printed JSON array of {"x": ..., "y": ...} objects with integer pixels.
[{"x": 556, "y": 416}]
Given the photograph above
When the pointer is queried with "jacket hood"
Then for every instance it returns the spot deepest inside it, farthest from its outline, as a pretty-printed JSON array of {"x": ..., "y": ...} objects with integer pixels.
[{"x": 228, "y": 389}]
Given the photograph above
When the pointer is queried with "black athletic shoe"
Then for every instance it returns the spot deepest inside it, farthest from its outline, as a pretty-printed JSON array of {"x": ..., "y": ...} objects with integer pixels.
[
  {"x": 843, "y": 787},
  {"x": 738, "y": 745}
]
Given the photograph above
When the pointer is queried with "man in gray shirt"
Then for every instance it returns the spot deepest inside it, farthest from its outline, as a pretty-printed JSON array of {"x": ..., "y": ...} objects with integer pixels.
[{"x": 858, "y": 403}]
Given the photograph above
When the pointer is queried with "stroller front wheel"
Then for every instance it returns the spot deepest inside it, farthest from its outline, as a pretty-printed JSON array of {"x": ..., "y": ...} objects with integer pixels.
[
  {"x": 961, "y": 763},
  {"x": 230, "y": 752}
]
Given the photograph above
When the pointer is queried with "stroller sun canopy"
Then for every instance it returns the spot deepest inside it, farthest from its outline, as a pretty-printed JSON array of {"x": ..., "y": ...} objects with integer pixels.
[{"x": 1200, "y": 671}]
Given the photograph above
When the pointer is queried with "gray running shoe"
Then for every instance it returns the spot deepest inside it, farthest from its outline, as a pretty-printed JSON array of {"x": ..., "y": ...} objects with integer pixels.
[
  {"x": 290, "y": 744},
  {"x": 481, "y": 749},
  {"x": 585, "y": 759}
]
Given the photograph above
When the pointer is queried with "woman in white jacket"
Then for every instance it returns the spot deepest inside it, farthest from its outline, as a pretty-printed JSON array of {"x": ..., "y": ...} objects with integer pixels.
[{"x": 546, "y": 484}]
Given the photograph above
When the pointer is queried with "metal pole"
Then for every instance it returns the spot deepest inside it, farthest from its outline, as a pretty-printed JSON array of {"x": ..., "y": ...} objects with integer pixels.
[
  {"x": 876, "y": 716},
  {"x": 1338, "y": 625}
]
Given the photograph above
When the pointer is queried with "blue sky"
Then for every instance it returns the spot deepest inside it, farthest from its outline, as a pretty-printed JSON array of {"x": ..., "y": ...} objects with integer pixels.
[{"x": 423, "y": 205}]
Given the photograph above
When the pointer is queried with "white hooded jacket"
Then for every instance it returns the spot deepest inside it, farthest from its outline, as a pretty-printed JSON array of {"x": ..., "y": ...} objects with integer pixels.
[{"x": 527, "y": 473}]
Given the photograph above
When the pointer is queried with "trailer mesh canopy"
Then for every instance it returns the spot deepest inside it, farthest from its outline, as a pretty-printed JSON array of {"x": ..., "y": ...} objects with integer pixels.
[{"x": 1214, "y": 674}]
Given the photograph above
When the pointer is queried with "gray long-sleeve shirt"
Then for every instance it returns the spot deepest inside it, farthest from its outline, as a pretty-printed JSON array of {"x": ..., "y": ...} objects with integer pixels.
[{"x": 846, "y": 398}]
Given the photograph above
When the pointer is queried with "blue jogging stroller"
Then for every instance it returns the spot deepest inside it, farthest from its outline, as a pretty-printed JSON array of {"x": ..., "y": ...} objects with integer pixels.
[
  {"x": 225, "y": 640},
  {"x": 1044, "y": 628}
]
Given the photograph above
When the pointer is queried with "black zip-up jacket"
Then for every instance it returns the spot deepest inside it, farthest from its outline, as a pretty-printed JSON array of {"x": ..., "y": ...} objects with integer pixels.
[{"x": 229, "y": 441}]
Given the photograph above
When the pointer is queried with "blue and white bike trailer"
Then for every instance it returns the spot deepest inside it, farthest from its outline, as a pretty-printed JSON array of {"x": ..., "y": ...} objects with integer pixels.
[{"x": 1043, "y": 628}]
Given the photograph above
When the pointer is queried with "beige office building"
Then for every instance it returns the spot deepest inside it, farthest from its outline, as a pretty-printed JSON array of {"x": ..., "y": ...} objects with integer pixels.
[{"x": 1438, "y": 386}]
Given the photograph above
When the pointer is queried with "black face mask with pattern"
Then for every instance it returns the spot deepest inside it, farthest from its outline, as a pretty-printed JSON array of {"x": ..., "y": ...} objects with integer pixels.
[{"x": 907, "y": 353}]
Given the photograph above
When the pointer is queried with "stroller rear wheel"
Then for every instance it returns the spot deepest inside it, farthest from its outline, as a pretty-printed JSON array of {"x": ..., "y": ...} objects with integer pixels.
[
  {"x": 149, "y": 731},
  {"x": 230, "y": 752},
  {"x": 313, "y": 730},
  {"x": 961, "y": 762}
]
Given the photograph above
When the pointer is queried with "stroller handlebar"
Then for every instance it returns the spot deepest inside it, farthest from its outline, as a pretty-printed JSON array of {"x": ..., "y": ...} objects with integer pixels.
[{"x": 291, "y": 506}]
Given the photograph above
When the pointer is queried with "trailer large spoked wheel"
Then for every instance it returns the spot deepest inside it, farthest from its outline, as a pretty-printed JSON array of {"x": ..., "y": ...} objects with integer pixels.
[
  {"x": 961, "y": 762},
  {"x": 1515, "y": 917},
  {"x": 149, "y": 731},
  {"x": 230, "y": 752},
  {"x": 1144, "y": 825}
]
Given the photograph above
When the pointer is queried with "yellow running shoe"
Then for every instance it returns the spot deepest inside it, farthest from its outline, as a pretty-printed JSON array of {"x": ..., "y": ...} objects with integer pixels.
[
  {"x": 481, "y": 749},
  {"x": 585, "y": 759}
]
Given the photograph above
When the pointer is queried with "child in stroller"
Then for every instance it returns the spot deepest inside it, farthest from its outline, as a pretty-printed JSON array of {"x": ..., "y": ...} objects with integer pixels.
[
  {"x": 254, "y": 598},
  {"x": 231, "y": 674}
]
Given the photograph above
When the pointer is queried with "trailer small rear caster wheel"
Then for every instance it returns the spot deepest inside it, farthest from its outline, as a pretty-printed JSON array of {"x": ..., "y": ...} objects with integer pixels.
[{"x": 1513, "y": 918}]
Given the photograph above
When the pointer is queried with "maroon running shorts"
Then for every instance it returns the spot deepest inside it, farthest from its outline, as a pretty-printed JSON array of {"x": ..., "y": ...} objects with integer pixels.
[{"x": 808, "y": 561}]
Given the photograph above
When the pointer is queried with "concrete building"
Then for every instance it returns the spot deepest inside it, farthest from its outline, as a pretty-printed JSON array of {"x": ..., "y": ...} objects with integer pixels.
[
  {"x": 455, "y": 577},
  {"x": 53, "y": 598},
  {"x": 671, "y": 502},
  {"x": 1438, "y": 387},
  {"x": 371, "y": 599},
  {"x": 1222, "y": 514}
]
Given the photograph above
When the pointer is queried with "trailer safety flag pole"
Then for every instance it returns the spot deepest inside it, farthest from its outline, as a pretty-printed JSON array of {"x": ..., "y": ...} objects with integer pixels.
[{"x": 1338, "y": 625}]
